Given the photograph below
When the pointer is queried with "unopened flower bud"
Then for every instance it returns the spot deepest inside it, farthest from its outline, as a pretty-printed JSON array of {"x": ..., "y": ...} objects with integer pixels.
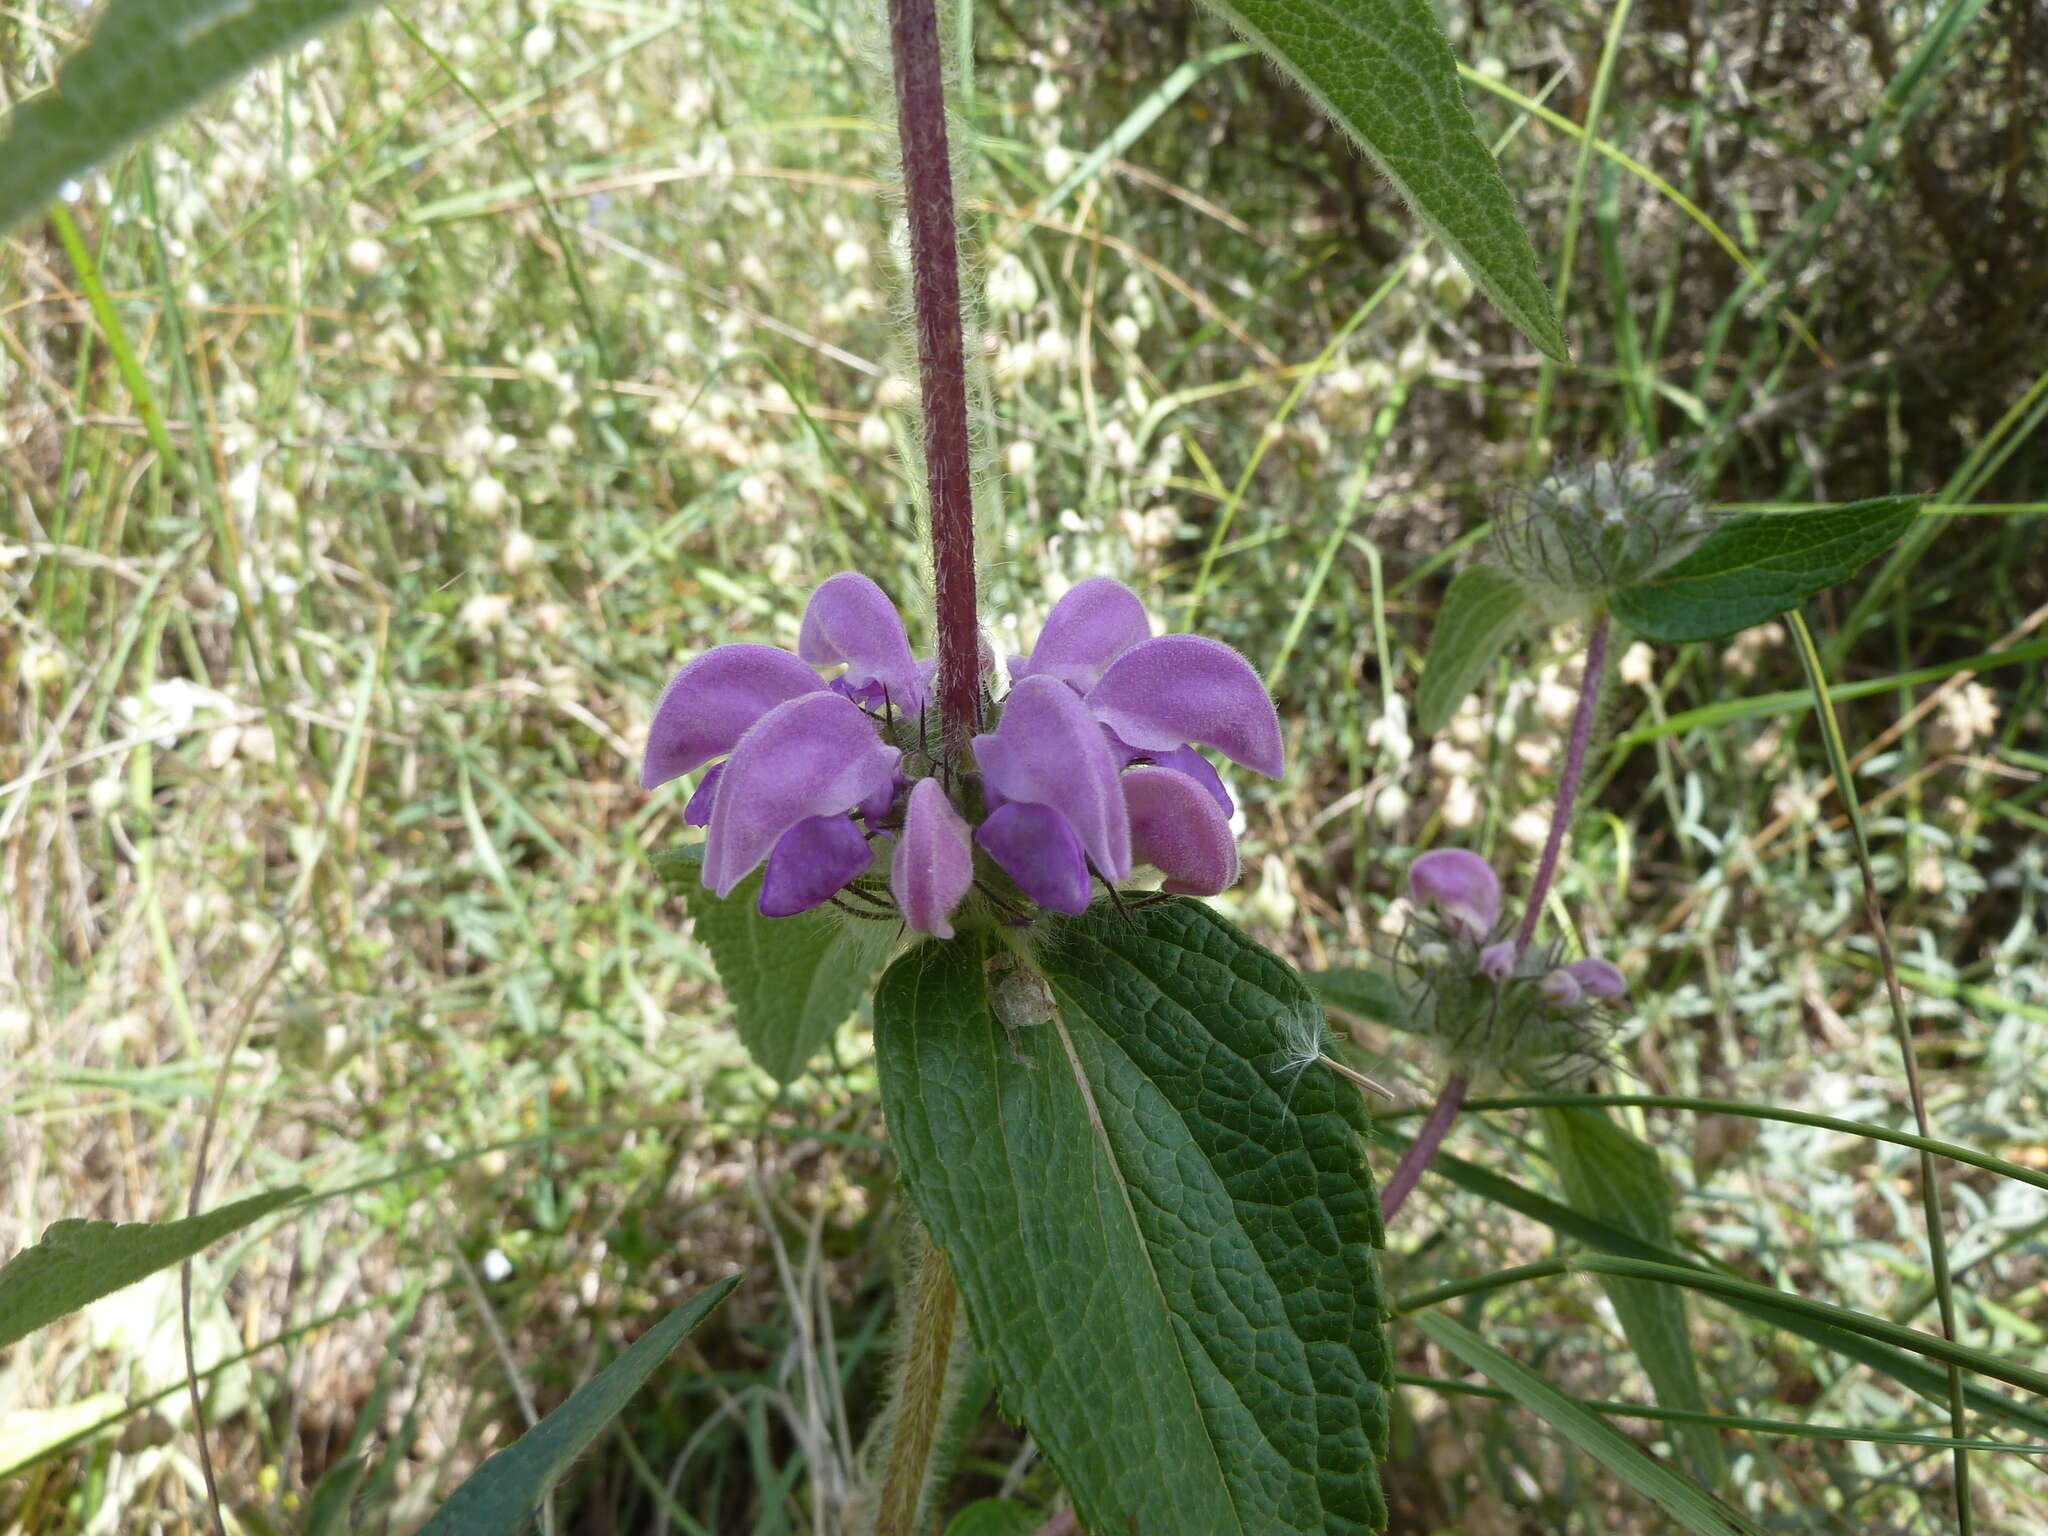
[
  {"x": 1561, "y": 989},
  {"x": 1586, "y": 533},
  {"x": 1497, "y": 961},
  {"x": 1598, "y": 978},
  {"x": 1461, "y": 886}
]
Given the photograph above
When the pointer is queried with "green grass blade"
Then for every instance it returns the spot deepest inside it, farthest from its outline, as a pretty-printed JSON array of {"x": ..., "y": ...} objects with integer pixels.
[
  {"x": 1679, "y": 1497},
  {"x": 1930, "y": 1183},
  {"x": 497, "y": 1498}
]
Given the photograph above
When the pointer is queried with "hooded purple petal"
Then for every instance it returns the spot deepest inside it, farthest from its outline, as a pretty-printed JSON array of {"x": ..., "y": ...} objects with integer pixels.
[
  {"x": 1048, "y": 750},
  {"x": 812, "y": 861},
  {"x": 1462, "y": 886},
  {"x": 1598, "y": 978},
  {"x": 697, "y": 813},
  {"x": 813, "y": 756},
  {"x": 1178, "y": 829},
  {"x": 1037, "y": 848},
  {"x": 708, "y": 706},
  {"x": 1096, "y": 622},
  {"x": 1182, "y": 689},
  {"x": 1197, "y": 767},
  {"x": 933, "y": 865},
  {"x": 850, "y": 619}
]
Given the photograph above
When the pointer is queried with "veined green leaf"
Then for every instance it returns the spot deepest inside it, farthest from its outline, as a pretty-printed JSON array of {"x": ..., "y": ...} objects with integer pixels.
[
  {"x": 1607, "y": 1171},
  {"x": 499, "y": 1496},
  {"x": 1384, "y": 72},
  {"x": 792, "y": 980},
  {"x": 1754, "y": 567},
  {"x": 1483, "y": 610},
  {"x": 1158, "y": 1211},
  {"x": 145, "y": 62},
  {"x": 1687, "y": 1503},
  {"x": 80, "y": 1261}
]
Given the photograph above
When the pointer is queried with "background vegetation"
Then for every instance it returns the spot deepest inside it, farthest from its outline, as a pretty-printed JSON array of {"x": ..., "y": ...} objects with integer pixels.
[{"x": 521, "y": 351}]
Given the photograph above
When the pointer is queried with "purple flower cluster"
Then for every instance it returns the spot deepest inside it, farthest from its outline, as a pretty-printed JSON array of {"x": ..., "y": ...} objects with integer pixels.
[
  {"x": 1090, "y": 771},
  {"x": 1464, "y": 892}
]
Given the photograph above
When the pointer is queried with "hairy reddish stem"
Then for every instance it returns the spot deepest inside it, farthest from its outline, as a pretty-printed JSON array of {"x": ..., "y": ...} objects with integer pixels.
[
  {"x": 1568, "y": 783},
  {"x": 941, "y": 357},
  {"x": 1423, "y": 1149}
]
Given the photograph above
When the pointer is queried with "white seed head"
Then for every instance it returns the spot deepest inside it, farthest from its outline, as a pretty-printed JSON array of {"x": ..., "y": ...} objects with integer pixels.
[
  {"x": 518, "y": 553},
  {"x": 488, "y": 496},
  {"x": 365, "y": 257}
]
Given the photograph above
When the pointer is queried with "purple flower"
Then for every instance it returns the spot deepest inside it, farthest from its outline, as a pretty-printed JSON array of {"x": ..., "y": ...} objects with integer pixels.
[
  {"x": 1093, "y": 766},
  {"x": 1497, "y": 961},
  {"x": 1048, "y": 751},
  {"x": 851, "y": 620},
  {"x": 1460, "y": 885},
  {"x": 814, "y": 757},
  {"x": 1597, "y": 978},
  {"x": 1178, "y": 829},
  {"x": 1096, "y": 622},
  {"x": 800, "y": 756},
  {"x": 1155, "y": 700},
  {"x": 933, "y": 865}
]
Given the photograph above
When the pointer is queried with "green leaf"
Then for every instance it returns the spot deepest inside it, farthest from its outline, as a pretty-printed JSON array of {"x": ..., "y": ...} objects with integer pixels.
[
  {"x": 1753, "y": 568},
  {"x": 1384, "y": 72},
  {"x": 1907, "y": 1369},
  {"x": 497, "y": 1498},
  {"x": 792, "y": 980},
  {"x": 1369, "y": 994},
  {"x": 993, "y": 1517},
  {"x": 1610, "y": 1173},
  {"x": 80, "y": 1261},
  {"x": 1483, "y": 611},
  {"x": 146, "y": 62},
  {"x": 1691, "y": 1506},
  {"x": 1159, "y": 1214}
]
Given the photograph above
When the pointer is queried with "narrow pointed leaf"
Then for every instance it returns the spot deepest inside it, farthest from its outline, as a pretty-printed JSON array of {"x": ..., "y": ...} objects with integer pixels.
[
  {"x": 80, "y": 1261},
  {"x": 791, "y": 980},
  {"x": 145, "y": 62},
  {"x": 1615, "y": 1175},
  {"x": 1685, "y": 1501},
  {"x": 1908, "y": 1369},
  {"x": 499, "y": 1497},
  {"x": 1384, "y": 72},
  {"x": 1752, "y": 568},
  {"x": 1484, "y": 609},
  {"x": 1160, "y": 1219}
]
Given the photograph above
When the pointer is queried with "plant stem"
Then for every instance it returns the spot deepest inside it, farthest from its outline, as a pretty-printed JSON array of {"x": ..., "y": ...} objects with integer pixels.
[
  {"x": 1568, "y": 783},
  {"x": 1423, "y": 1149},
  {"x": 921, "y": 1370},
  {"x": 941, "y": 358},
  {"x": 1902, "y": 1028}
]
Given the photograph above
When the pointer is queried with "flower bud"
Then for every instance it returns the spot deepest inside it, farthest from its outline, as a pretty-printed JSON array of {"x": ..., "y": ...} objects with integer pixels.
[
  {"x": 1586, "y": 533},
  {"x": 1497, "y": 961},
  {"x": 1461, "y": 886}
]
